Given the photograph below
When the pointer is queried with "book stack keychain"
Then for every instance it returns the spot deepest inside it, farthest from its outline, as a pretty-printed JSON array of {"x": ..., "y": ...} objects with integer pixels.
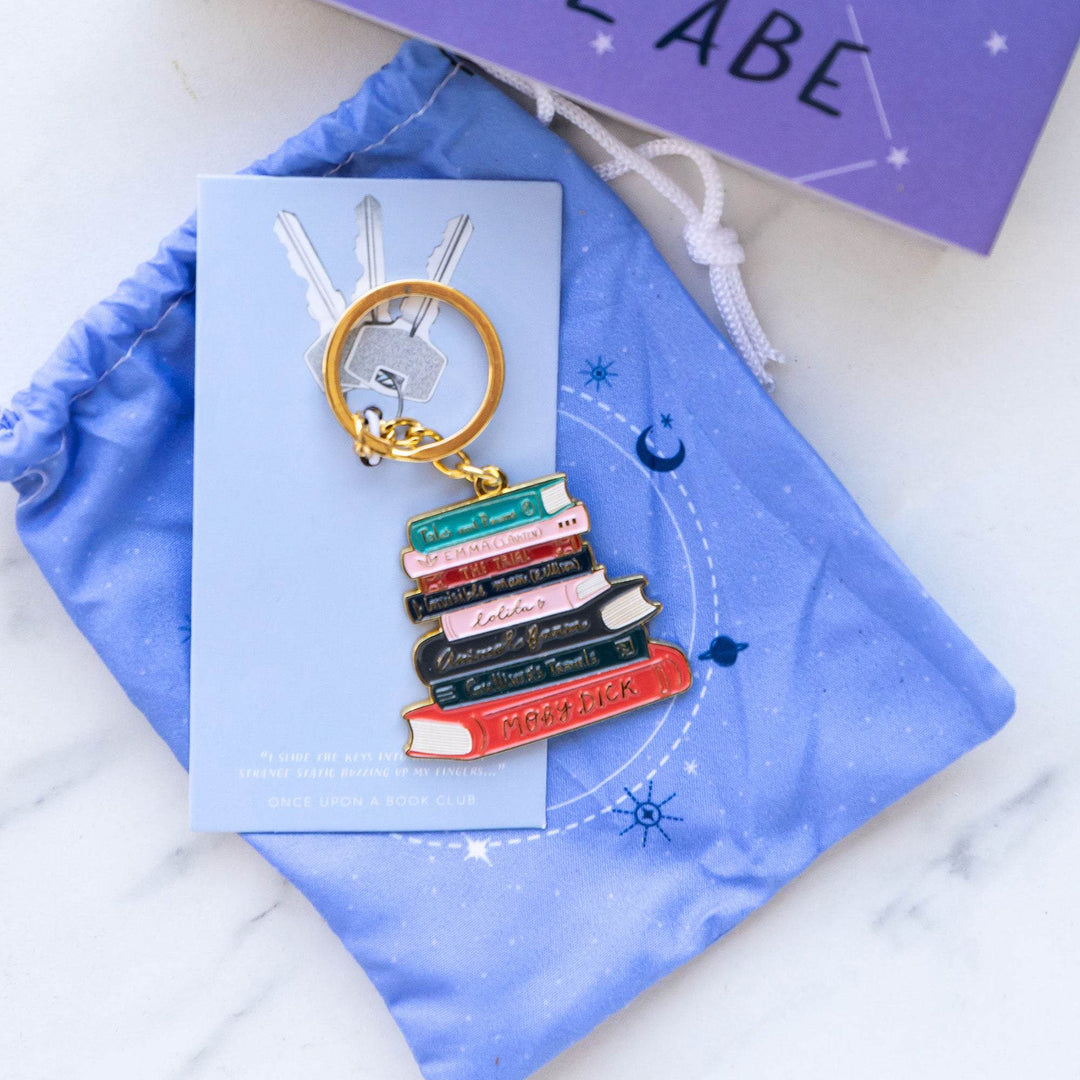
[{"x": 532, "y": 640}]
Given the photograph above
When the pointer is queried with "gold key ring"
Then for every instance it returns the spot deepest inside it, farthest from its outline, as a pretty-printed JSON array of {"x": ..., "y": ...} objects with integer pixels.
[{"x": 367, "y": 442}]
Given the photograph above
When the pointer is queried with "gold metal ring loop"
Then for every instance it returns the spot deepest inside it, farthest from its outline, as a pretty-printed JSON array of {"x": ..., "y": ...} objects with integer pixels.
[{"x": 354, "y": 424}]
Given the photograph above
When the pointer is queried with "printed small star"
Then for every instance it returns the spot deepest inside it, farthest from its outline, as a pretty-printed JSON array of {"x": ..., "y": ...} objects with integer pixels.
[
  {"x": 602, "y": 43},
  {"x": 477, "y": 849},
  {"x": 690, "y": 768},
  {"x": 897, "y": 157},
  {"x": 665, "y": 419},
  {"x": 996, "y": 43}
]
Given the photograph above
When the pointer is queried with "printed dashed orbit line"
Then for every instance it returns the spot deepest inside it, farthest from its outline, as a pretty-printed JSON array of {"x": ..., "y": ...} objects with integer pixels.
[{"x": 559, "y": 829}]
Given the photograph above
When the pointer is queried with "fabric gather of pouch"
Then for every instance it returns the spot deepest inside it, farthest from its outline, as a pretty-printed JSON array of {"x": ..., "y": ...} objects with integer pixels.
[{"x": 827, "y": 683}]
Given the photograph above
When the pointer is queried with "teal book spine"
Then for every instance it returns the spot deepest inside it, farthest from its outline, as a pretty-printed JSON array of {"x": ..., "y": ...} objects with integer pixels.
[{"x": 483, "y": 517}]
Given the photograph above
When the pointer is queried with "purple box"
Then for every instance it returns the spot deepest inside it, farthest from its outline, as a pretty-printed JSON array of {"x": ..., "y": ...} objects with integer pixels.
[{"x": 922, "y": 111}]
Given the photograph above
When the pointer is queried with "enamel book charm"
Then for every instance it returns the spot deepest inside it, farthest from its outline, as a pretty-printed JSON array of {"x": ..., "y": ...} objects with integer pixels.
[{"x": 530, "y": 638}]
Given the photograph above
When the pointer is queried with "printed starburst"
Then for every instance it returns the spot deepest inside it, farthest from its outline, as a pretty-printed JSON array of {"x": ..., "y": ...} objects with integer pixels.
[
  {"x": 599, "y": 373},
  {"x": 647, "y": 815}
]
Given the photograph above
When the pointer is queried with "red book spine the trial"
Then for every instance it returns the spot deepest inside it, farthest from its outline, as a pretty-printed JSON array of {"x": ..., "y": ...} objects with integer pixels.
[{"x": 499, "y": 564}]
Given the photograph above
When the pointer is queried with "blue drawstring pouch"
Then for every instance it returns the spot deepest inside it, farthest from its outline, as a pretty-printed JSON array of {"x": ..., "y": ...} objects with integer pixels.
[{"x": 827, "y": 683}]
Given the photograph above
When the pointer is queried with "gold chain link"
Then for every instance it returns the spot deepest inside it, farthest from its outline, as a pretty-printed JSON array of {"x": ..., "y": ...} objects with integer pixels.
[{"x": 485, "y": 479}]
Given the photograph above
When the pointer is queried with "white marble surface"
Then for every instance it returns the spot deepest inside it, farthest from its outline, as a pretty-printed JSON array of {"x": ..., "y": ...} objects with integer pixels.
[{"x": 942, "y": 940}]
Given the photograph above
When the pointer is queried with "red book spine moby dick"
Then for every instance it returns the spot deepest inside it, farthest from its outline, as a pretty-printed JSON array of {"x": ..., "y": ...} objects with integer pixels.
[{"x": 475, "y": 731}]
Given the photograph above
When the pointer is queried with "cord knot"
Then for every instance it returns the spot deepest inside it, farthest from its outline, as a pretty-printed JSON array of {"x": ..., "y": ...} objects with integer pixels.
[{"x": 712, "y": 245}]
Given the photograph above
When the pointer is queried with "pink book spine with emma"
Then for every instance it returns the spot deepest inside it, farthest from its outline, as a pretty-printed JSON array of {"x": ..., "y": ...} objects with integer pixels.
[{"x": 572, "y": 521}]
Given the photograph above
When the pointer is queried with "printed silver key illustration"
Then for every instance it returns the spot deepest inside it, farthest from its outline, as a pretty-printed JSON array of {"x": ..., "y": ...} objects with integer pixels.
[
  {"x": 324, "y": 303},
  {"x": 390, "y": 352},
  {"x": 369, "y": 254},
  {"x": 398, "y": 356}
]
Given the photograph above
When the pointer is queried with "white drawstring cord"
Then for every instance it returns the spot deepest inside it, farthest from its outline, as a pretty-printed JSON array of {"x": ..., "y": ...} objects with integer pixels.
[{"x": 708, "y": 242}]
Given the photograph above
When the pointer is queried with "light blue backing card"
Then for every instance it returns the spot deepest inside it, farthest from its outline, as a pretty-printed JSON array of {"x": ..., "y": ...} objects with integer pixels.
[{"x": 301, "y": 653}]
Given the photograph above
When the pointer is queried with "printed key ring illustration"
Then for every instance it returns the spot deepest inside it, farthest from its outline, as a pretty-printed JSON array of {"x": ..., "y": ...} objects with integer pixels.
[{"x": 388, "y": 352}]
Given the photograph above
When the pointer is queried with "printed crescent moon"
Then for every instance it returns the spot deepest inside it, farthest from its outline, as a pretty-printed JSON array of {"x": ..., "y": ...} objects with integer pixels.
[{"x": 654, "y": 461}]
